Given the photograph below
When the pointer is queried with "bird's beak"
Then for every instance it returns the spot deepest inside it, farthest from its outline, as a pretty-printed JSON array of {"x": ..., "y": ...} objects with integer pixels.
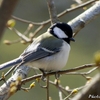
[{"x": 72, "y": 39}]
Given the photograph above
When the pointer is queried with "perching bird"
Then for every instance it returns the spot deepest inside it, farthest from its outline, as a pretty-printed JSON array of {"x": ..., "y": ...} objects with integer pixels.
[{"x": 49, "y": 51}]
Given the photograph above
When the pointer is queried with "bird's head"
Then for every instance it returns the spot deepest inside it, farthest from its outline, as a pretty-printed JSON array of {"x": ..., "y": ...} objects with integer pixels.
[{"x": 62, "y": 31}]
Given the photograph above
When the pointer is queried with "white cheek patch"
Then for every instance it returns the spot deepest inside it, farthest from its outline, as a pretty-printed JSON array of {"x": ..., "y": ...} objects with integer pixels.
[{"x": 60, "y": 33}]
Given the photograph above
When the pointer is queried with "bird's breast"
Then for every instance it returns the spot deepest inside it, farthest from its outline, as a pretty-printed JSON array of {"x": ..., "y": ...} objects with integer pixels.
[{"x": 54, "y": 62}]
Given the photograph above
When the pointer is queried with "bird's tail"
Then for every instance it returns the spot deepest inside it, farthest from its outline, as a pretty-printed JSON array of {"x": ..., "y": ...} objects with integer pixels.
[{"x": 10, "y": 63}]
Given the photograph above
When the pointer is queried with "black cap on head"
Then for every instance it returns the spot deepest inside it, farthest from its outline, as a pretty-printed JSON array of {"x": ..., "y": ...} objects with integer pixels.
[
  {"x": 62, "y": 30},
  {"x": 66, "y": 28}
]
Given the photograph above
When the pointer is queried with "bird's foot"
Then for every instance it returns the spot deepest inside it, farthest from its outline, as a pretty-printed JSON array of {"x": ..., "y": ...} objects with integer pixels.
[
  {"x": 43, "y": 77},
  {"x": 57, "y": 80},
  {"x": 57, "y": 75}
]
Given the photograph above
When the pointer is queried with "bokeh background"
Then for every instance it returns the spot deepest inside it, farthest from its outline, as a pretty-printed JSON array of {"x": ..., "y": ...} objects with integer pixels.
[{"x": 82, "y": 50}]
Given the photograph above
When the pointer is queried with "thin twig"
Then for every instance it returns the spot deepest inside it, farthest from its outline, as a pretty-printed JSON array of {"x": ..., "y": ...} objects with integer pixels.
[
  {"x": 52, "y": 11},
  {"x": 73, "y": 91},
  {"x": 61, "y": 88},
  {"x": 60, "y": 91},
  {"x": 67, "y": 96},
  {"x": 92, "y": 89},
  {"x": 60, "y": 95},
  {"x": 8, "y": 72},
  {"x": 75, "y": 8},
  {"x": 59, "y": 15},
  {"x": 30, "y": 26},
  {"x": 53, "y": 15},
  {"x": 82, "y": 73},
  {"x": 37, "y": 30},
  {"x": 27, "y": 21},
  {"x": 20, "y": 35},
  {"x": 60, "y": 72},
  {"x": 47, "y": 87},
  {"x": 15, "y": 41}
]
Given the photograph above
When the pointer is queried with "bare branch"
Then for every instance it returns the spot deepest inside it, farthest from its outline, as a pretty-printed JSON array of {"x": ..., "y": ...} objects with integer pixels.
[
  {"x": 53, "y": 15},
  {"x": 75, "y": 8},
  {"x": 82, "y": 73},
  {"x": 8, "y": 72},
  {"x": 47, "y": 87},
  {"x": 60, "y": 95},
  {"x": 93, "y": 89},
  {"x": 6, "y": 90},
  {"x": 27, "y": 21},
  {"x": 20, "y": 35},
  {"x": 59, "y": 15},
  {"x": 59, "y": 72},
  {"x": 52, "y": 11},
  {"x": 79, "y": 22},
  {"x": 37, "y": 30}
]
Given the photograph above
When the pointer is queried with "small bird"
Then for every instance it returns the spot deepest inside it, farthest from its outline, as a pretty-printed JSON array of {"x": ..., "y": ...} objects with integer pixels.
[{"x": 49, "y": 51}]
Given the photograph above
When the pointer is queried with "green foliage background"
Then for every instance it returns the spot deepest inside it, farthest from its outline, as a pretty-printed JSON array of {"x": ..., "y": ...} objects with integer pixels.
[{"x": 82, "y": 51}]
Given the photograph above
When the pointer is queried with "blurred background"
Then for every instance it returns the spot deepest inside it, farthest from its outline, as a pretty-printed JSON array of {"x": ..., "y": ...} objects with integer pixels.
[{"x": 82, "y": 50}]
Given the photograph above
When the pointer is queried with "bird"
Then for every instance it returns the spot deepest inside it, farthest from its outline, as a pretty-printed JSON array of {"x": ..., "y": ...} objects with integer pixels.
[{"x": 49, "y": 51}]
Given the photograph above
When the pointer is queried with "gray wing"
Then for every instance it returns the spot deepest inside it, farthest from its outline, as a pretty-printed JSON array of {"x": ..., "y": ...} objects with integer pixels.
[
  {"x": 41, "y": 48},
  {"x": 38, "y": 54}
]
